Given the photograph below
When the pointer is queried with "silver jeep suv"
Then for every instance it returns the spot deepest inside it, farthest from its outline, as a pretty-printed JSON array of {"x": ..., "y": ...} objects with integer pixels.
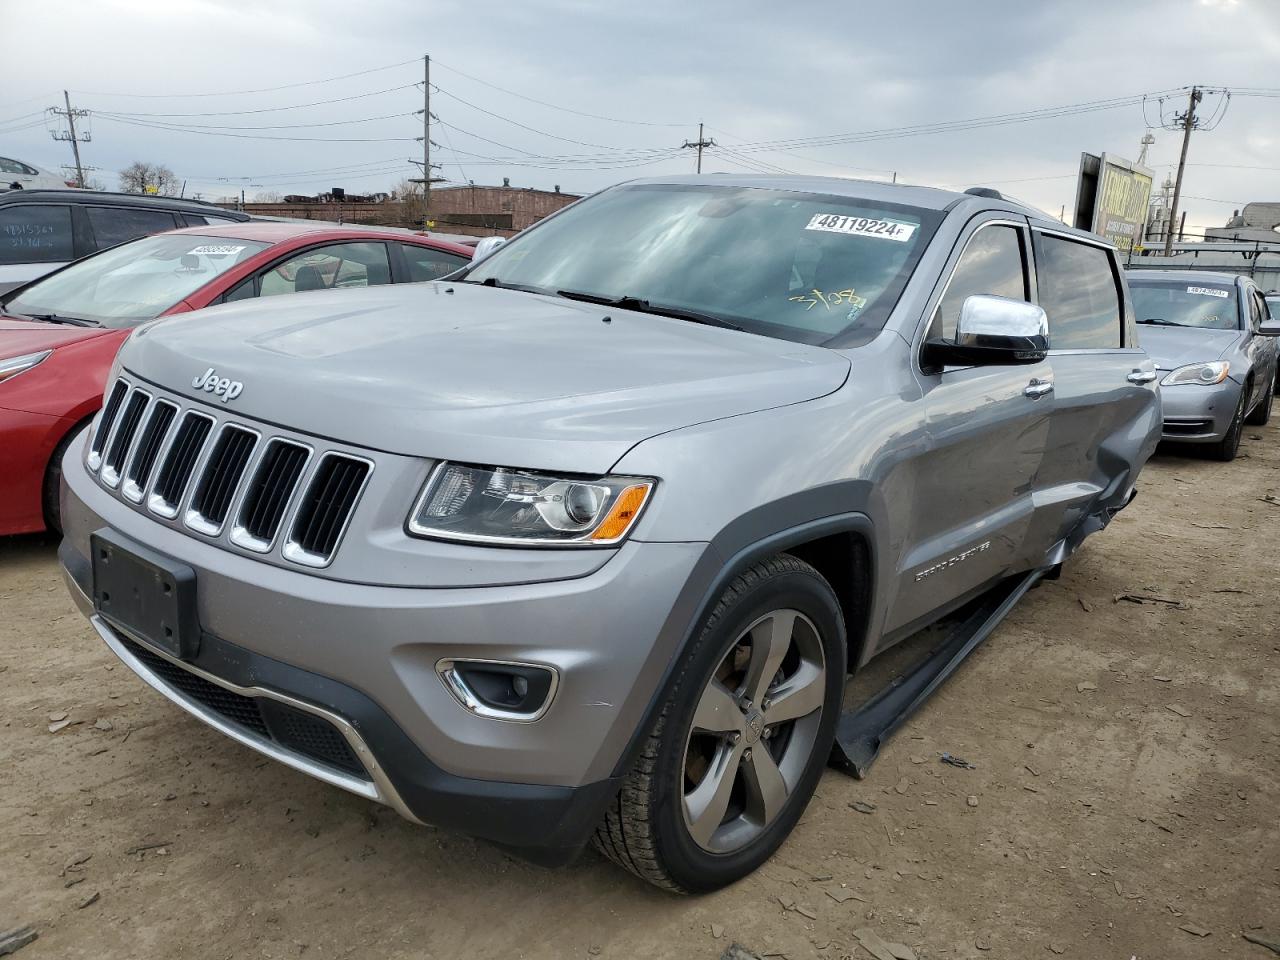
[{"x": 581, "y": 543}]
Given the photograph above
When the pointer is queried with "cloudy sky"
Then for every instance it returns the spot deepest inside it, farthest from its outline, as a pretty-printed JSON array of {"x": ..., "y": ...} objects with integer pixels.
[{"x": 585, "y": 94}]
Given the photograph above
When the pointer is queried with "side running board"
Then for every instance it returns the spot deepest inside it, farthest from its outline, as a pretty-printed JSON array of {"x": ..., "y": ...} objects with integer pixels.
[{"x": 862, "y": 732}]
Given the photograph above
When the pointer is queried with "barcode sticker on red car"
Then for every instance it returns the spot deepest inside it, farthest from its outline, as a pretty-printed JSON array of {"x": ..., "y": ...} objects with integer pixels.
[
  {"x": 1208, "y": 292},
  {"x": 217, "y": 250},
  {"x": 862, "y": 226}
]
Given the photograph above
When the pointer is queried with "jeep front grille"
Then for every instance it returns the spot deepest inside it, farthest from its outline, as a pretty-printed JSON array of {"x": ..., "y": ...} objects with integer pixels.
[
  {"x": 220, "y": 479},
  {"x": 325, "y": 509},
  {"x": 225, "y": 479}
]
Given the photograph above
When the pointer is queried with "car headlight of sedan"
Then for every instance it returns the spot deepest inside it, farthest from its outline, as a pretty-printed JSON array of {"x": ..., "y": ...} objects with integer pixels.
[
  {"x": 507, "y": 506},
  {"x": 1205, "y": 374},
  {"x": 12, "y": 366}
]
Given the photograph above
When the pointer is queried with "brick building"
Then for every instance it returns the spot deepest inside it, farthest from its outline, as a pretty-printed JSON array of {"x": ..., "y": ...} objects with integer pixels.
[{"x": 471, "y": 210}]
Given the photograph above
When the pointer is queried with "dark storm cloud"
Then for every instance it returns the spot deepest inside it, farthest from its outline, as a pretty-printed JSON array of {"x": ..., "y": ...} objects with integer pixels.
[{"x": 752, "y": 71}]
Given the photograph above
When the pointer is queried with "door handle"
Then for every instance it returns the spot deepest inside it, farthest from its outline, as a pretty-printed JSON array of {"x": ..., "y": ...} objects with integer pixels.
[
  {"x": 1038, "y": 388},
  {"x": 1141, "y": 376}
]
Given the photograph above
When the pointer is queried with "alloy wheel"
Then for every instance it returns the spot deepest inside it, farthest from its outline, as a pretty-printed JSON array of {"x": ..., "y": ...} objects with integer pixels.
[{"x": 753, "y": 731}]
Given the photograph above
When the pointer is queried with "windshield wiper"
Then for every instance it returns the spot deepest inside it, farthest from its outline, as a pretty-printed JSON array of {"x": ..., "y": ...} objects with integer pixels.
[
  {"x": 495, "y": 282},
  {"x": 57, "y": 318},
  {"x": 644, "y": 306}
]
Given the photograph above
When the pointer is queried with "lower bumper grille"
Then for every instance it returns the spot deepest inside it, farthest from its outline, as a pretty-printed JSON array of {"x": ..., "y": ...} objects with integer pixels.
[
  {"x": 293, "y": 729},
  {"x": 1187, "y": 428}
]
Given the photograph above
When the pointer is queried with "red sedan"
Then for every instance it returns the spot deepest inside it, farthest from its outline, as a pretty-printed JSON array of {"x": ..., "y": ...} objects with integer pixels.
[{"x": 59, "y": 334}]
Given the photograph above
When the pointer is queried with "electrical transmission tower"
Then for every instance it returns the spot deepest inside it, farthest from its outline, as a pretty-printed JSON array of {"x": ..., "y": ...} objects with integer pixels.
[{"x": 84, "y": 136}]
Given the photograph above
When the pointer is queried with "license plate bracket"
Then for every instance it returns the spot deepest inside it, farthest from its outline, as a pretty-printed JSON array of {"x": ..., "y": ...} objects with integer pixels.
[{"x": 146, "y": 594}]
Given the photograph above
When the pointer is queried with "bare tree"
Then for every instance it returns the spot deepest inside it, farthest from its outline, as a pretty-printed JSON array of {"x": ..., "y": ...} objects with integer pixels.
[
  {"x": 155, "y": 178},
  {"x": 406, "y": 190},
  {"x": 268, "y": 196}
]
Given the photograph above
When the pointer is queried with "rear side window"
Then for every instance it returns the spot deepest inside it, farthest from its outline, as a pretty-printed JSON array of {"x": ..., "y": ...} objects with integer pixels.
[
  {"x": 35, "y": 233},
  {"x": 1079, "y": 293},
  {"x": 1258, "y": 311},
  {"x": 13, "y": 166},
  {"x": 991, "y": 265},
  {"x": 112, "y": 225},
  {"x": 424, "y": 263},
  {"x": 327, "y": 268}
]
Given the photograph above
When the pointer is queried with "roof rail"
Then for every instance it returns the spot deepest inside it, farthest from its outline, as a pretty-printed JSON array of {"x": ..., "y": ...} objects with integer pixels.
[{"x": 988, "y": 192}]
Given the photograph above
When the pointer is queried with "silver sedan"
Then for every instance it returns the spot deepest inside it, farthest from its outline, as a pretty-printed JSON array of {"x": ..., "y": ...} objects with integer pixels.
[{"x": 1214, "y": 342}]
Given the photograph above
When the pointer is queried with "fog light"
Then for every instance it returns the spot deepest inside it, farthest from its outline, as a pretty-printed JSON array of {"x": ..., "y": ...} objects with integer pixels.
[{"x": 500, "y": 689}]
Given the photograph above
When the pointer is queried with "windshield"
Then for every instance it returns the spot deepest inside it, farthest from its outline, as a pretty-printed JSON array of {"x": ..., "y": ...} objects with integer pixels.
[
  {"x": 797, "y": 266},
  {"x": 134, "y": 282},
  {"x": 1210, "y": 305}
]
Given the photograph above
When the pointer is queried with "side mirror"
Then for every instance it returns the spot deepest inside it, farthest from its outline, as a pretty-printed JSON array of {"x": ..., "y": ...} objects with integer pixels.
[
  {"x": 993, "y": 330},
  {"x": 486, "y": 247},
  {"x": 1270, "y": 327}
]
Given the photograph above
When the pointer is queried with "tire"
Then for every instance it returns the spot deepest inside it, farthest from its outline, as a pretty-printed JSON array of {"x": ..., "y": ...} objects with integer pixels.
[
  {"x": 1262, "y": 412},
  {"x": 649, "y": 829},
  {"x": 53, "y": 480},
  {"x": 1227, "y": 448}
]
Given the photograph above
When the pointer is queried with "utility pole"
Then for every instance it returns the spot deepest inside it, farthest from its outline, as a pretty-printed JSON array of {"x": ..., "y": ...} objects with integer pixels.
[
  {"x": 1188, "y": 124},
  {"x": 70, "y": 133},
  {"x": 426, "y": 179},
  {"x": 701, "y": 142}
]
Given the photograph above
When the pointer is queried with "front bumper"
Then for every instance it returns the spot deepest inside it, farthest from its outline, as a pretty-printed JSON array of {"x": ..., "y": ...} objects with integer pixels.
[
  {"x": 1197, "y": 414},
  {"x": 362, "y": 658}
]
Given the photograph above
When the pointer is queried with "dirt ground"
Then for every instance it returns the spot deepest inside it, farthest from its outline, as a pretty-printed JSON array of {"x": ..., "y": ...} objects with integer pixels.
[{"x": 1124, "y": 801}]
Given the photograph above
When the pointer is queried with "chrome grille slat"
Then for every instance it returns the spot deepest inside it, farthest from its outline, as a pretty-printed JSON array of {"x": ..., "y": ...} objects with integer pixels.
[
  {"x": 220, "y": 478},
  {"x": 150, "y": 441},
  {"x": 106, "y": 422},
  {"x": 324, "y": 512},
  {"x": 268, "y": 493},
  {"x": 246, "y": 487},
  {"x": 122, "y": 437},
  {"x": 179, "y": 463}
]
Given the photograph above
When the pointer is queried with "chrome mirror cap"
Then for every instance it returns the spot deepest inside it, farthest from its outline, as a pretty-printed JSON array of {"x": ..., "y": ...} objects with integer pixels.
[
  {"x": 1002, "y": 324},
  {"x": 486, "y": 247}
]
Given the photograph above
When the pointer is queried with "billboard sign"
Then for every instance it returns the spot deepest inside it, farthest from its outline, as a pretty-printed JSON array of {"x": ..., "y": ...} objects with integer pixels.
[{"x": 1111, "y": 199}]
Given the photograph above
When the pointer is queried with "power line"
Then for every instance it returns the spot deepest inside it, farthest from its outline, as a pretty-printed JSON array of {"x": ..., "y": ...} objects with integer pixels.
[
  {"x": 237, "y": 93},
  {"x": 522, "y": 126},
  {"x": 253, "y": 136},
  {"x": 269, "y": 126},
  {"x": 292, "y": 106},
  {"x": 553, "y": 106}
]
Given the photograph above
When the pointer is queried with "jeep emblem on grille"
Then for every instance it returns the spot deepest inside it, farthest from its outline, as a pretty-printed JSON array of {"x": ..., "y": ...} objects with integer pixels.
[{"x": 210, "y": 382}]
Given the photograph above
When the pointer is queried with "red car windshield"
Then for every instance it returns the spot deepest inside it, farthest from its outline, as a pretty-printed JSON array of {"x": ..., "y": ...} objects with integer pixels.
[{"x": 134, "y": 282}]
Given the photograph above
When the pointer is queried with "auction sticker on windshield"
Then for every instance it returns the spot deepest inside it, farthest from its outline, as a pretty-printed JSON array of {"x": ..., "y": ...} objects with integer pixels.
[
  {"x": 216, "y": 250},
  {"x": 1209, "y": 292},
  {"x": 862, "y": 226}
]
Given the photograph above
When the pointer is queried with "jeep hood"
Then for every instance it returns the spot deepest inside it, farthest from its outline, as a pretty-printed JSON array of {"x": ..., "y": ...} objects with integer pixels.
[
  {"x": 461, "y": 372},
  {"x": 1173, "y": 347}
]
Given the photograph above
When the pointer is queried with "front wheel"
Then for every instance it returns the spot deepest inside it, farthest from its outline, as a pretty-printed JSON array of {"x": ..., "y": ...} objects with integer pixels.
[
  {"x": 1262, "y": 412},
  {"x": 742, "y": 737},
  {"x": 1227, "y": 448}
]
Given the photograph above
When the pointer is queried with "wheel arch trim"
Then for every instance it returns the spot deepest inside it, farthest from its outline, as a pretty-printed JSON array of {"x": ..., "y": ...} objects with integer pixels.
[{"x": 742, "y": 543}]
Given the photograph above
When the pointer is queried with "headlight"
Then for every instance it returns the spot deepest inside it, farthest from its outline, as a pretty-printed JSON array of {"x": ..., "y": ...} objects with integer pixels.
[
  {"x": 1205, "y": 374},
  {"x": 502, "y": 505},
  {"x": 15, "y": 365}
]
